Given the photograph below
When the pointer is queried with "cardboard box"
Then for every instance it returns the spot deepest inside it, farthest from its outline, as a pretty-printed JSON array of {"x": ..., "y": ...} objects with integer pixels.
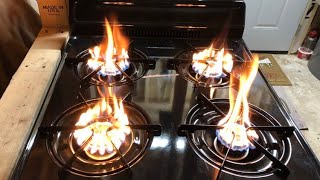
[{"x": 54, "y": 13}]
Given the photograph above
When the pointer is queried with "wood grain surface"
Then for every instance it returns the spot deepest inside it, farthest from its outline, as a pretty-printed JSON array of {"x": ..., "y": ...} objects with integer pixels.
[{"x": 21, "y": 102}]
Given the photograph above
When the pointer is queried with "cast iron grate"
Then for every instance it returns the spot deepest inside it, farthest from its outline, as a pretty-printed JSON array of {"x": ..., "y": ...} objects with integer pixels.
[
  {"x": 145, "y": 132},
  {"x": 139, "y": 65},
  {"x": 277, "y": 166},
  {"x": 182, "y": 63}
]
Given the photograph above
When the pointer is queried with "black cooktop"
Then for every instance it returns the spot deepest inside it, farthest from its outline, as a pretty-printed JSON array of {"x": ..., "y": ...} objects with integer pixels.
[
  {"x": 171, "y": 128},
  {"x": 168, "y": 100}
]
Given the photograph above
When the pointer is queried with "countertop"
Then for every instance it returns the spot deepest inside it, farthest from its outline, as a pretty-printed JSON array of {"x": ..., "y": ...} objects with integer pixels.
[{"x": 303, "y": 97}]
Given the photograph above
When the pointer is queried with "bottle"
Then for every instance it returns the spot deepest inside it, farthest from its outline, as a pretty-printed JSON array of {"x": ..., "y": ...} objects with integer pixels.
[{"x": 305, "y": 51}]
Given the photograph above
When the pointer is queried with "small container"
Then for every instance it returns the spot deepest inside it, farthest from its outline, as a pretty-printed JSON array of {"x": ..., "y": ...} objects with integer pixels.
[
  {"x": 311, "y": 41},
  {"x": 304, "y": 53},
  {"x": 306, "y": 50}
]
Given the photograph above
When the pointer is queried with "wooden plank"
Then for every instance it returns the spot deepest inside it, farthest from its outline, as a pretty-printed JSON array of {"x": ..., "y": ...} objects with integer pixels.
[
  {"x": 34, "y": 5},
  {"x": 51, "y": 38},
  {"x": 21, "y": 102},
  {"x": 304, "y": 27},
  {"x": 304, "y": 94}
]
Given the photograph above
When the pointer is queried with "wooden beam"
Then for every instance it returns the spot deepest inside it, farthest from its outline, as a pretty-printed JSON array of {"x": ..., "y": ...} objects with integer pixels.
[
  {"x": 303, "y": 29},
  {"x": 22, "y": 100},
  {"x": 51, "y": 38}
]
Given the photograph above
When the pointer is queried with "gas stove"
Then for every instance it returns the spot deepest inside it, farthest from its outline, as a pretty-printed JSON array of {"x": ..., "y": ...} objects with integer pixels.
[{"x": 157, "y": 106}]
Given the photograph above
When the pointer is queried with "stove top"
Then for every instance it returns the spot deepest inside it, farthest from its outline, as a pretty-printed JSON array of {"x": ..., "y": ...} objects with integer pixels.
[
  {"x": 153, "y": 115},
  {"x": 166, "y": 99}
]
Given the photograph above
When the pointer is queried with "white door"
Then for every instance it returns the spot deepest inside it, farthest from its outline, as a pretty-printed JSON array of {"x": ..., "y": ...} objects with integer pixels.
[{"x": 272, "y": 24}]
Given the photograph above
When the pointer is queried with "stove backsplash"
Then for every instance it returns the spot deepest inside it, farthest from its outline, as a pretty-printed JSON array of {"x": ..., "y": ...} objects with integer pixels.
[{"x": 160, "y": 19}]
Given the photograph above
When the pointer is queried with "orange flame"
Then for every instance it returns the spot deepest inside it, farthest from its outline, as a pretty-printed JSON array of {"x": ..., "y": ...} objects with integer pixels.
[
  {"x": 236, "y": 122},
  {"x": 112, "y": 51},
  {"x": 106, "y": 125},
  {"x": 211, "y": 63}
]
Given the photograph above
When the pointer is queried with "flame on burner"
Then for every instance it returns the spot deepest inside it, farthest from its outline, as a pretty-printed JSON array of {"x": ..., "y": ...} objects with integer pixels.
[
  {"x": 211, "y": 63},
  {"x": 236, "y": 121},
  {"x": 111, "y": 54},
  {"x": 107, "y": 127}
]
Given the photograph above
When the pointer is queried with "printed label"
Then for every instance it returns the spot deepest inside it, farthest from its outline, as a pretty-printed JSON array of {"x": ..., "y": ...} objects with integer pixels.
[
  {"x": 53, "y": 9},
  {"x": 54, "y": 13}
]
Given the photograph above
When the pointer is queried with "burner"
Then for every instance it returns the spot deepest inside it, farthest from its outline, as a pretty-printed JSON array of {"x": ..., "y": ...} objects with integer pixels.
[
  {"x": 182, "y": 63},
  {"x": 233, "y": 155},
  {"x": 248, "y": 163},
  {"x": 66, "y": 152},
  {"x": 135, "y": 67}
]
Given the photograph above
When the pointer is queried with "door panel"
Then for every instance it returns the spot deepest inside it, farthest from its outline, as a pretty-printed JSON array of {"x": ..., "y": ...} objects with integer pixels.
[
  {"x": 269, "y": 16},
  {"x": 272, "y": 24}
]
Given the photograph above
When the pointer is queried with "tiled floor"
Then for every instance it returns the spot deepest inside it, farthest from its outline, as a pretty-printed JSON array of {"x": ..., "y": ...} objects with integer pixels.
[{"x": 303, "y": 97}]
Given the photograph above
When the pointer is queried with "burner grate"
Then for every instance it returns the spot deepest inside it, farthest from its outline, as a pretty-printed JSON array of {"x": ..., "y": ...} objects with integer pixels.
[
  {"x": 198, "y": 131},
  {"x": 183, "y": 66},
  {"x": 62, "y": 150},
  {"x": 139, "y": 64}
]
